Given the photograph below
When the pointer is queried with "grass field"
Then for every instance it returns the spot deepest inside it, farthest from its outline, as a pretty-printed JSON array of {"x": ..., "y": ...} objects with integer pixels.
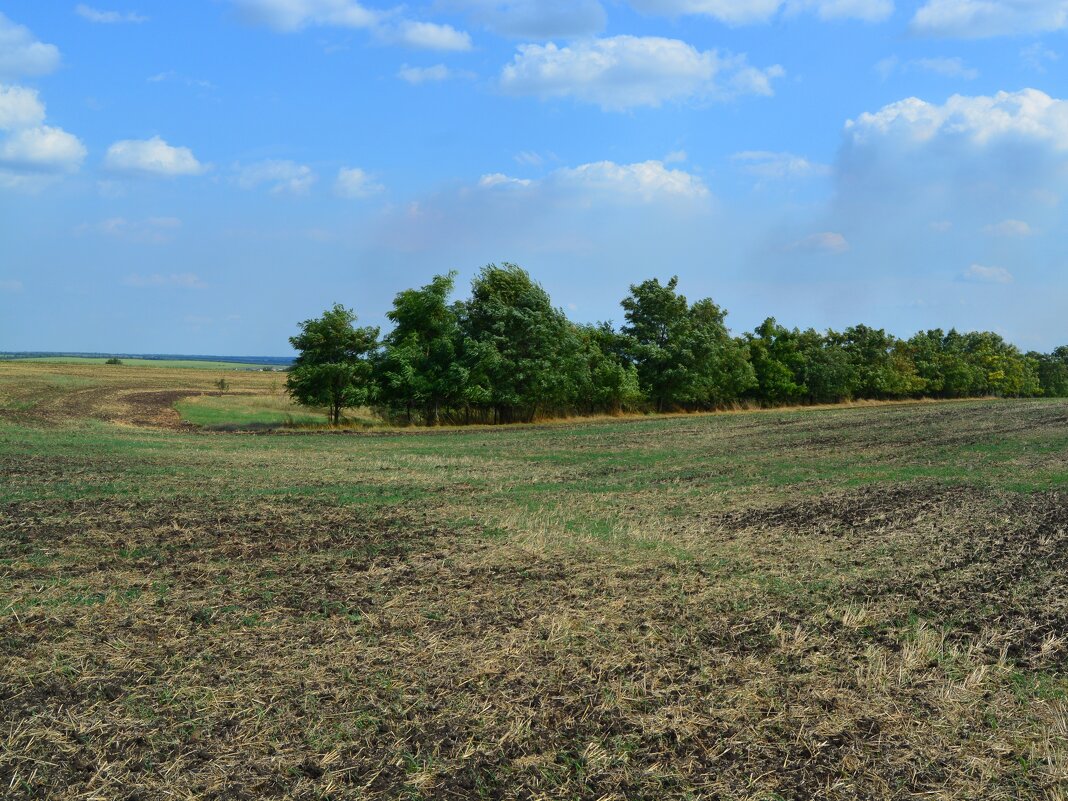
[
  {"x": 157, "y": 363},
  {"x": 857, "y": 603},
  {"x": 196, "y": 364}
]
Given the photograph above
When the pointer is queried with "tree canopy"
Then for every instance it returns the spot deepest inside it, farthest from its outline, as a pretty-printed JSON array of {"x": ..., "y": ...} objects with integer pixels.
[
  {"x": 507, "y": 354},
  {"x": 333, "y": 368}
]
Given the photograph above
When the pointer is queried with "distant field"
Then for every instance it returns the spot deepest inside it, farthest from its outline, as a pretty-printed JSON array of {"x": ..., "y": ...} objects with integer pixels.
[
  {"x": 854, "y": 603},
  {"x": 159, "y": 363}
]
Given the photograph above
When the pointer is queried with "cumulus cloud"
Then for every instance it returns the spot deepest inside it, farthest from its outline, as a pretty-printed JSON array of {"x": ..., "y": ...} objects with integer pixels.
[
  {"x": 21, "y": 53},
  {"x": 31, "y": 152},
  {"x": 153, "y": 230},
  {"x": 352, "y": 182},
  {"x": 995, "y": 166},
  {"x": 429, "y": 36},
  {"x": 42, "y": 148},
  {"x": 987, "y": 275},
  {"x": 766, "y": 164},
  {"x": 107, "y": 17},
  {"x": 969, "y": 156},
  {"x": 746, "y": 12},
  {"x": 160, "y": 281},
  {"x": 974, "y": 19},
  {"x": 19, "y": 108},
  {"x": 1028, "y": 115},
  {"x": 151, "y": 157},
  {"x": 282, "y": 177},
  {"x": 536, "y": 19},
  {"x": 624, "y": 72}
]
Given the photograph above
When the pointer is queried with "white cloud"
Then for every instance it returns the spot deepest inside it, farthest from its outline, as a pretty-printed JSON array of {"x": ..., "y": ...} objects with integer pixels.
[
  {"x": 152, "y": 157},
  {"x": 22, "y": 54},
  {"x": 636, "y": 212},
  {"x": 675, "y": 157},
  {"x": 19, "y": 108},
  {"x": 107, "y": 17},
  {"x": 154, "y": 230},
  {"x": 430, "y": 36},
  {"x": 969, "y": 156},
  {"x": 159, "y": 281},
  {"x": 644, "y": 182},
  {"x": 42, "y": 148},
  {"x": 10, "y": 286},
  {"x": 987, "y": 275},
  {"x": 823, "y": 242},
  {"x": 624, "y": 72},
  {"x": 282, "y": 176},
  {"x": 766, "y": 164},
  {"x": 500, "y": 179},
  {"x": 746, "y": 12},
  {"x": 1009, "y": 228},
  {"x": 288, "y": 16},
  {"x": 293, "y": 15},
  {"x": 31, "y": 150},
  {"x": 536, "y": 19},
  {"x": 974, "y": 19},
  {"x": 434, "y": 74},
  {"x": 352, "y": 182},
  {"x": 1028, "y": 115}
]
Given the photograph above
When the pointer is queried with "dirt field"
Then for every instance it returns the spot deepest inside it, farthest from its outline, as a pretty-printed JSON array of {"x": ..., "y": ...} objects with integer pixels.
[{"x": 866, "y": 603}]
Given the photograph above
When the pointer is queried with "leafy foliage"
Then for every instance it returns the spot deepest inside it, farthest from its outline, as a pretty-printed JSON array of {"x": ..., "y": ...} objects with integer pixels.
[
  {"x": 506, "y": 354},
  {"x": 333, "y": 368}
]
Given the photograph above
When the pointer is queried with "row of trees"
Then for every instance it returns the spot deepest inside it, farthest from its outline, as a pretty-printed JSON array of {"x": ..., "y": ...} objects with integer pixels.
[{"x": 508, "y": 355}]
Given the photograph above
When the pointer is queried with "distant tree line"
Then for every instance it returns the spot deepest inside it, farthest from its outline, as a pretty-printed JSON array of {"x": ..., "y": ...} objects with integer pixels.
[{"x": 506, "y": 355}]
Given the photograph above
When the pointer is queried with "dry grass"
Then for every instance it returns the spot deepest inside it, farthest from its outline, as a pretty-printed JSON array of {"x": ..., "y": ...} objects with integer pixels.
[{"x": 850, "y": 604}]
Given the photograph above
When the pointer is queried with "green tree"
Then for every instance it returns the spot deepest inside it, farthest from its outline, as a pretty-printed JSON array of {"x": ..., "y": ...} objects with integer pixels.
[
  {"x": 333, "y": 367},
  {"x": 420, "y": 368},
  {"x": 606, "y": 380},
  {"x": 685, "y": 356},
  {"x": 778, "y": 363},
  {"x": 520, "y": 351},
  {"x": 1052, "y": 372},
  {"x": 882, "y": 368},
  {"x": 829, "y": 373}
]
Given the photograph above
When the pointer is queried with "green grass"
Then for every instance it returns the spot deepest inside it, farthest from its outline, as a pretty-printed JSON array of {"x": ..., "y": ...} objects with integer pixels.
[{"x": 242, "y": 411}]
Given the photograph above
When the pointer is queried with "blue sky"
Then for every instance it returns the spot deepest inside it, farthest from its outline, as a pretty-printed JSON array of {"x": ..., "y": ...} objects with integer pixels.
[{"x": 197, "y": 177}]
